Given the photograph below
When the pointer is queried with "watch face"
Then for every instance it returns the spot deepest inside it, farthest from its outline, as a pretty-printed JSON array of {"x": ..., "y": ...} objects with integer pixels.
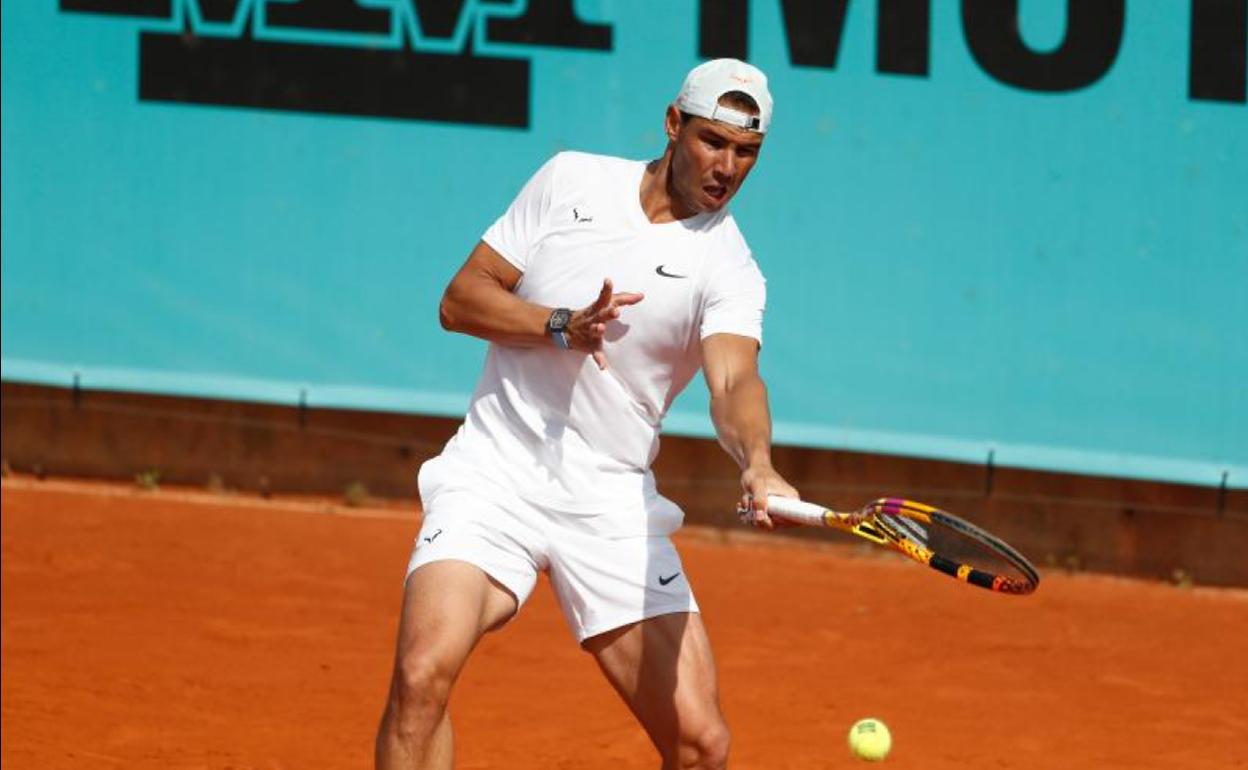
[{"x": 559, "y": 319}]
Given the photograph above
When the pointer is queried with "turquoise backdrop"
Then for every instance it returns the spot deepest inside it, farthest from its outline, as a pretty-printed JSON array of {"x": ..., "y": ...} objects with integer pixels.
[{"x": 955, "y": 265}]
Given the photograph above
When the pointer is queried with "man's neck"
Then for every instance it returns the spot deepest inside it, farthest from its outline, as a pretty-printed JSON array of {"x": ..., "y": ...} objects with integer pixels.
[{"x": 659, "y": 201}]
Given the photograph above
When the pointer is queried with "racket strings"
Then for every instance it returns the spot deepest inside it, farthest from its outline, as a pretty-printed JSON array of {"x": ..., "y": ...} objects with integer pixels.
[
  {"x": 906, "y": 527},
  {"x": 958, "y": 547}
]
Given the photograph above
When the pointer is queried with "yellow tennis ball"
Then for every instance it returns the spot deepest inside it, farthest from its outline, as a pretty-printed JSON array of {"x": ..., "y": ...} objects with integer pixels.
[{"x": 869, "y": 739}]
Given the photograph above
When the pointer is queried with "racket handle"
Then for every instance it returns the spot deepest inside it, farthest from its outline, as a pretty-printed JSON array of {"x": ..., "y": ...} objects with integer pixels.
[{"x": 801, "y": 511}]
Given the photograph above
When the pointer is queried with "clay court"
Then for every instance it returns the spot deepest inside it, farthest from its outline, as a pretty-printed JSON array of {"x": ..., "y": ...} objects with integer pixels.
[{"x": 183, "y": 629}]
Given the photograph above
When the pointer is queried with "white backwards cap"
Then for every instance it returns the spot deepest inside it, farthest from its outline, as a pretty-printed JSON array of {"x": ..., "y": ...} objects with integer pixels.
[{"x": 710, "y": 80}]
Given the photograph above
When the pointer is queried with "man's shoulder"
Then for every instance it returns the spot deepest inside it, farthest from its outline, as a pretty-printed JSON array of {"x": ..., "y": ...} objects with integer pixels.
[
  {"x": 578, "y": 165},
  {"x": 573, "y": 162},
  {"x": 599, "y": 181}
]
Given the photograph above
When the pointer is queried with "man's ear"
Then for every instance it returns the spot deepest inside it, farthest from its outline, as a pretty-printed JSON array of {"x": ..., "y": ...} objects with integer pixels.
[{"x": 671, "y": 122}]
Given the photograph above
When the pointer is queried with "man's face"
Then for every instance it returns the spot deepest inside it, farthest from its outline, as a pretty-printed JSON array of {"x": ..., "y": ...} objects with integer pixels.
[{"x": 710, "y": 160}]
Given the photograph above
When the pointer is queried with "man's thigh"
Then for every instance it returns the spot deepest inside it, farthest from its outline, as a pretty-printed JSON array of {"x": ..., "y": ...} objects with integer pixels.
[
  {"x": 664, "y": 670},
  {"x": 447, "y": 606},
  {"x": 472, "y": 567}
]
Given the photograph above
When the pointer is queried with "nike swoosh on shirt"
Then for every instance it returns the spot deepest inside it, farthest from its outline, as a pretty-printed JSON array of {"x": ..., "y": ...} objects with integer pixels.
[
  {"x": 666, "y": 274},
  {"x": 665, "y": 580}
]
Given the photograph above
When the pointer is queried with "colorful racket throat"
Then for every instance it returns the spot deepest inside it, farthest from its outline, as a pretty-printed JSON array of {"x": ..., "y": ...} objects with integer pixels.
[{"x": 928, "y": 535}]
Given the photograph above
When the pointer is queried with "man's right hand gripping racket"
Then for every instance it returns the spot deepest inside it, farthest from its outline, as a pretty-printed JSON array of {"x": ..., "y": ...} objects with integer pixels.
[{"x": 928, "y": 535}]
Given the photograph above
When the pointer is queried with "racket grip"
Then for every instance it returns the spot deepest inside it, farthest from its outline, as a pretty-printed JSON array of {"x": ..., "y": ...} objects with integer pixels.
[{"x": 798, "y": 511}]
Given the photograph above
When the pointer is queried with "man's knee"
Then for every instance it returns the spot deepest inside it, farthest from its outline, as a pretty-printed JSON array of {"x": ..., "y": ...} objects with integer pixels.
[
  {"x": 706, "y": 748},
  {"x": 421, "y": 688}
]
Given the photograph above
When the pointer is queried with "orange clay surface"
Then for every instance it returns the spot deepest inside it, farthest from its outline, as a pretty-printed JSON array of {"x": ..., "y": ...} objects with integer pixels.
[{"x": 182, "y": 629}]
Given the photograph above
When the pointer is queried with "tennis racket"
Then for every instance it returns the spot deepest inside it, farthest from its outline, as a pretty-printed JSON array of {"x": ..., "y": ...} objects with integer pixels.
[{"x": 928, "y": 535}]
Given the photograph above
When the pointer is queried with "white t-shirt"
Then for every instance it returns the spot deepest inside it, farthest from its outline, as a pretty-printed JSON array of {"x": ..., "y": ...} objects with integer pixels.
[{"x": 546, "y": 423}]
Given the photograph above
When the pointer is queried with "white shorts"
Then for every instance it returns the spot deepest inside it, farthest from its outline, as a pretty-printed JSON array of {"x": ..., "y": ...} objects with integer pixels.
[{"x": 601, "y": 583}]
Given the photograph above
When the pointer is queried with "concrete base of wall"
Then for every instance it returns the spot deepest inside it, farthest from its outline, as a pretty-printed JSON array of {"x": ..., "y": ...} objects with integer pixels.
[{"x": 1065, "y": 521}]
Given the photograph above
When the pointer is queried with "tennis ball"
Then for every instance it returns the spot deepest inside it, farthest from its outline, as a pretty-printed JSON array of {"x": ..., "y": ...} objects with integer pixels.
[{"x": 869, "y": 739}]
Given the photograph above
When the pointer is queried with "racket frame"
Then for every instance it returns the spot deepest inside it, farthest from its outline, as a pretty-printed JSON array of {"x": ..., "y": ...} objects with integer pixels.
[{"x": 876, "y": 529}]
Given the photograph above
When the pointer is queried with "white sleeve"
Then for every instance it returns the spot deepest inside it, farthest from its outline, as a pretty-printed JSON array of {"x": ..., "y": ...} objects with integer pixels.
[
  {"x": 514, "y": 233},
  {"x": 734, "y": 301}
]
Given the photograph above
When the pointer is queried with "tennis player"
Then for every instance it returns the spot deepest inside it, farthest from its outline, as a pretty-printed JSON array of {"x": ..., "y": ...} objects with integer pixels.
[{"x": 603, "y": 289}]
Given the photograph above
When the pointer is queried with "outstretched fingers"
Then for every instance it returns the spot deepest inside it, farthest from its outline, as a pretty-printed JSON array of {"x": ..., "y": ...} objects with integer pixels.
[
  {"x": 603, "y": 300},
  {"x": 628, "y": 298},
  {"x": 605, "y": 308}
]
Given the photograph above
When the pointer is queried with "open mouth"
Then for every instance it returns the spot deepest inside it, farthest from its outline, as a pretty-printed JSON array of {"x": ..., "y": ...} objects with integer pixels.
[{"x": 716, "y": 193}]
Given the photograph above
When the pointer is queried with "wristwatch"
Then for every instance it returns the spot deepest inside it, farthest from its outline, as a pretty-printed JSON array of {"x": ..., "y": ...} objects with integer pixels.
[{"x": 557, "y": 324}]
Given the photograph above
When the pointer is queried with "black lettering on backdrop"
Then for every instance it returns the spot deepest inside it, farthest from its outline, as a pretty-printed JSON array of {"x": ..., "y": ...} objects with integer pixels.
[
  {"x": 317, "y": 77},
  {"x": 1088, "y": 50},
  {"x": 151, "y": 9},
  {"x": 336, "y": 15},
  {"x": 903, "y": 37},
  {"x": 438, "y": 18},
  {"x": 345, "y": 79},
  {"x": 218, "y": 11},
  {"x": 1218, "y": 70},
  {"x": 813, "y": 31},
  {"x": 724, "y": 29},
  {"x": 333, "y": 79},
  {"x": 549, "y": 22}
]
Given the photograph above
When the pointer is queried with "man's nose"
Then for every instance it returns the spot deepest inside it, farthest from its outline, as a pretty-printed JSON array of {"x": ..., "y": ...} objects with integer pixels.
[{"x": 725, "y": 164}]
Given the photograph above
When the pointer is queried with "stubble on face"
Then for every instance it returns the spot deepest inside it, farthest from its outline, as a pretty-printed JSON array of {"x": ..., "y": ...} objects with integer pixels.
[{"x": 710, "y": 161}]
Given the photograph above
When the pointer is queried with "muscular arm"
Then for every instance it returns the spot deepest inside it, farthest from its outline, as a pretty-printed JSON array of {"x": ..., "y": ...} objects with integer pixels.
[
  {"x": 738, "y": 398},
  {"x": 742, "y": 418},
  {"x": 481, "y": 301}
]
